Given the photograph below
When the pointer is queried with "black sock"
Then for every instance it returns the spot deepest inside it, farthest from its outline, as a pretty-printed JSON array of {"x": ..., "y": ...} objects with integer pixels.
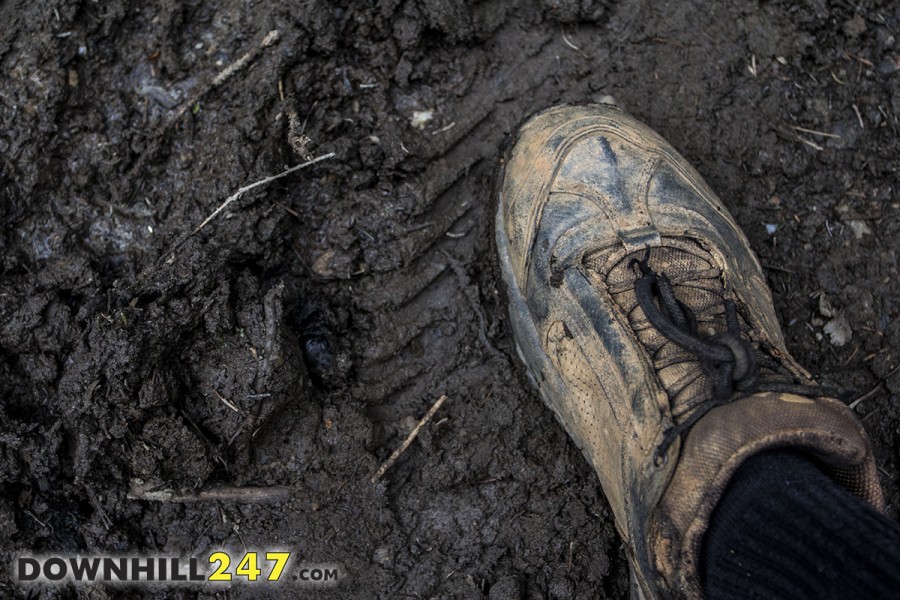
[{"x": 783, "y": 529}]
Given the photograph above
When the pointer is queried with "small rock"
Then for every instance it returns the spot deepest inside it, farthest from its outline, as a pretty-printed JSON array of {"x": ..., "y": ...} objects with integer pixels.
[
  {"x": 889, "y": 65},
  {"x": 859, "y": 228},
  {"x": 407, "y": 424},
  {"x": 885, "y": 38},
  {"x": 607, "y": 99},
  {"x": 420, "y": 118},
  {"x": 825, "y": 308},
  {"x": 322, "y": 264},
  {"x": 838, "y": 331},
  {"x": 561, "y": 587},
  {"x": 506, "y": 588},
  {"x": 854, "y": 27},
  {"x": 160, "y": 95},
  {"x": 383, "y": 556}
]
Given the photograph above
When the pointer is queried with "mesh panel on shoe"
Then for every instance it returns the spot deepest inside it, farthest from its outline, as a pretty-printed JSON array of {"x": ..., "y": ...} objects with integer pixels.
[
  {"x": 697, "y": 282},
  {"x": 593, "y": 423}
]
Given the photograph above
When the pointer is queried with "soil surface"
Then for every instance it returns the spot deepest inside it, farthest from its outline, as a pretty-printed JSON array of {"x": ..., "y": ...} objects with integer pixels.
[{"x": 294, "y": 340}]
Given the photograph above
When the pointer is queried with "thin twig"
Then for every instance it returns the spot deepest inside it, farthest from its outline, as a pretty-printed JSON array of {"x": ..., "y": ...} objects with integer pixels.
[
  {"x": 169, "y": 256},
  {"x": 92, "y": 497},
  {"x": 777, "y": 268},
  {"x": 572, "y": 46},
  {"x": 810, "y": 143},
  {"x": 875, "y": 389},
  {"x": 248, "y": 495},
  {"x": 226, "y": 73},
  {"x": 444, "y": 129},
  {"x": 866, "y": 396},
  {"x": 409, "y": 439},
  {"x": 256, "y": 184},
  {"x": 815, "y": 132},
  {"x": 859, "y": 117},
  {"x": 226, "y": 402}
]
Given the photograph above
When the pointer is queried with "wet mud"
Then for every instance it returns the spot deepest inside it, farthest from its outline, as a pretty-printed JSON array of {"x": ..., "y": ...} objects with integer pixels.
[{"x": 295, "y": 339}]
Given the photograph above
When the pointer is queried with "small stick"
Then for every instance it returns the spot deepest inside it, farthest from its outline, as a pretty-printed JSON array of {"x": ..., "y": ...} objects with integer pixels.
[
  {"x": 409, "y": 439},
  {"x": 249, "y": 495},
  {"x": 866, "y": 396},
  {"x": 445, "y": 128},
  {"x": 92, "y": 497},
  {"x": 255, "y": 185},
  {"x": 777, "y": 268},
  {"x": 815, "y": 132},
  {"x": 226, "y": 73},
  {"x": 809, "y": 143},
  {"x": 271, "y": 38},
  {"x": 859, "y": 117},
  {"x": 169, "y": 256},
  {"x": 572, "y": 46},
  {"x": 226, "y": 402},
  {"x": 875, "y": 389}
]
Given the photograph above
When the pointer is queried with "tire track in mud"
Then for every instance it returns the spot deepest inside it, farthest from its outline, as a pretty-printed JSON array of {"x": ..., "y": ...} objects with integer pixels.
[
  {"x": 427, "y": 320},
  {"x": 454, "y": 226}
]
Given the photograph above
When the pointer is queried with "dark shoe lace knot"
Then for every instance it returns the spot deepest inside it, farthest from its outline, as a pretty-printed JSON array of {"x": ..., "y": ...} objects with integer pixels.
[{"x": 728, "y": 360}]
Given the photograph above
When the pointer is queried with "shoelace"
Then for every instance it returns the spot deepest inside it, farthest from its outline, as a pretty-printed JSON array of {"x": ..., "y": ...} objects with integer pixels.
[{"x": 727, "y": 359}]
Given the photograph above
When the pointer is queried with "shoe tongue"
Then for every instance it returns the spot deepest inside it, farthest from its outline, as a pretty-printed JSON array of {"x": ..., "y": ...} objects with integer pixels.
[{"x": 697, "y": 284}]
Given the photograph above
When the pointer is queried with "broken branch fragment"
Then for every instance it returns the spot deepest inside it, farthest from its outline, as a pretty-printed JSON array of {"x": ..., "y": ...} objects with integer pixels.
[{"x": 409, "y": 440}]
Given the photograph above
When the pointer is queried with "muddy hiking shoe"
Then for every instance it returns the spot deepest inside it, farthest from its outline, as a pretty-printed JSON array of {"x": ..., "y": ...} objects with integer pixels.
[{"x": 644, "y": 320}]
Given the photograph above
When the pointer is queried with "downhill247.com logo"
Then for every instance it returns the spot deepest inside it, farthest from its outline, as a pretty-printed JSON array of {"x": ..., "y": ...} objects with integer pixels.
[{"x": 218, "y": 567}]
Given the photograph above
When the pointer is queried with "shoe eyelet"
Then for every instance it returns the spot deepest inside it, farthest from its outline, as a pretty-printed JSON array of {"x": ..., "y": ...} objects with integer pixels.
[{"x": 660, "y": 460}]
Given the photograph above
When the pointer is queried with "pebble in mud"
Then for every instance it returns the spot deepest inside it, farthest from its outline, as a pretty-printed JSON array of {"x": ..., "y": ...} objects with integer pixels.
[
  {"x": 506, "y": 588},
  {"x": 321, "y": 353},
  {"x": 383, "y": 556},
  {"x": 854, "y": 27}
]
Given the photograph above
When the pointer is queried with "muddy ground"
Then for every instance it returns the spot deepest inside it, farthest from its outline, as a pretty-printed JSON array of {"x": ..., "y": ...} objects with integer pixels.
[{"x": 293, "y": 340}]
